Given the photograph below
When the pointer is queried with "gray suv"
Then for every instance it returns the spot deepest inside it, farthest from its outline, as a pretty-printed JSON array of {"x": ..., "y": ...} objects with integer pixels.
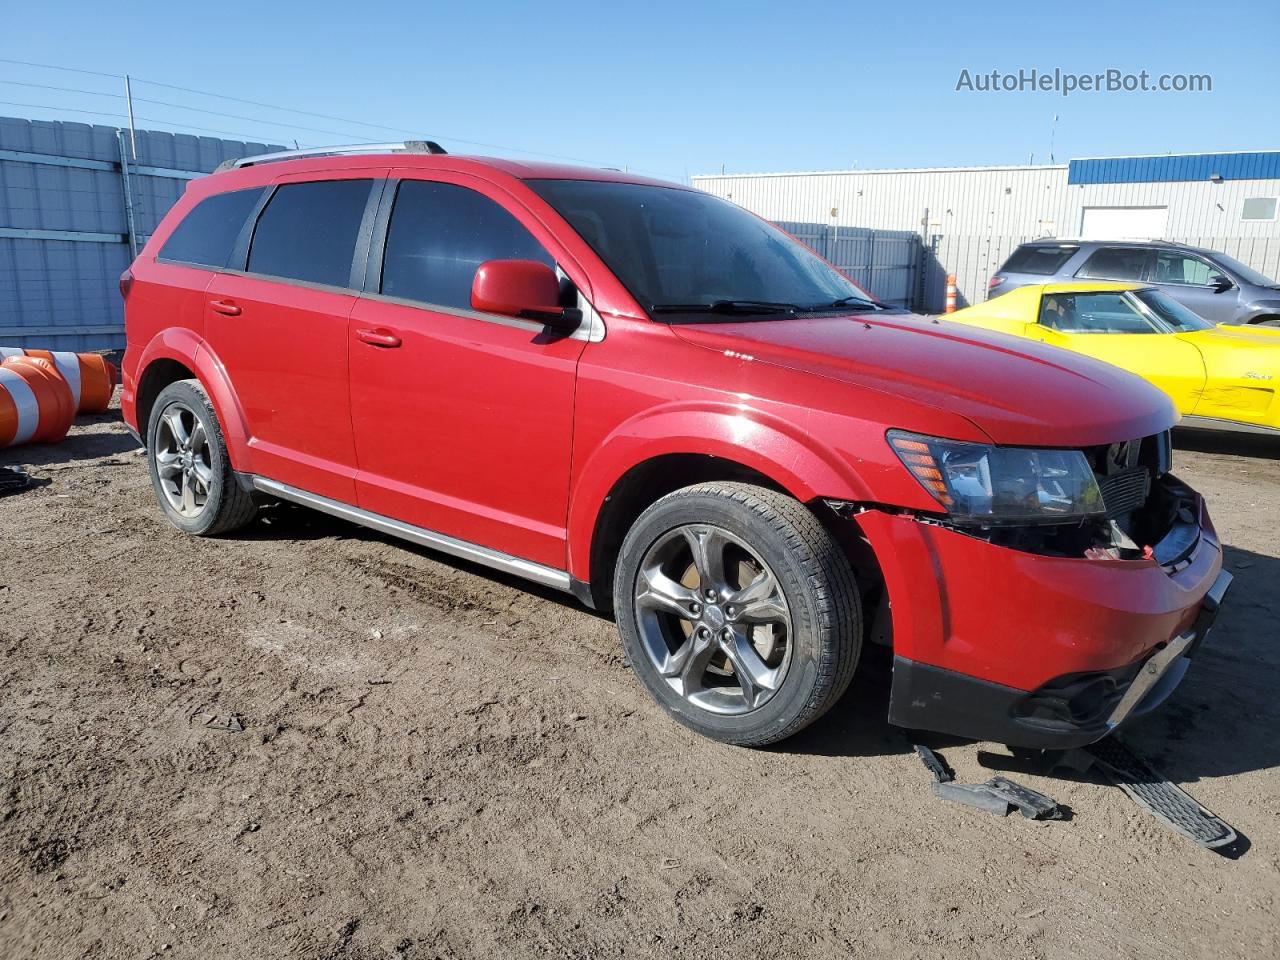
[{"x": 1218, "y": 287}]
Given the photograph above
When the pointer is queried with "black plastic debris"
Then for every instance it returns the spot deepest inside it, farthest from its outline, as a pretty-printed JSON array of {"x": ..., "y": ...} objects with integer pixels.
[
  {"x": 1000, "y": 795},
  {"x": 1166, "y": 802},
  {"x": 14, "y": 480},
  {"x": 934, "y": 763}
]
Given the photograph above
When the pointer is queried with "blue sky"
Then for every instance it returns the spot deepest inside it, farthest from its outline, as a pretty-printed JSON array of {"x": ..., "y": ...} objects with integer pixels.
[{"x": 671, "y": 88}]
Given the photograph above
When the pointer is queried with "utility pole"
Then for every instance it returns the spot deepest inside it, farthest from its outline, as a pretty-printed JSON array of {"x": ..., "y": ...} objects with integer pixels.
[{"x": 133, "y": 133}]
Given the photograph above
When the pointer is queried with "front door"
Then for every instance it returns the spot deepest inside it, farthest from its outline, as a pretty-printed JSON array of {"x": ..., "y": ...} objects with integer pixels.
[
  {"x": 1194, "y": 282},
  {"x": 463, "y": 420}
]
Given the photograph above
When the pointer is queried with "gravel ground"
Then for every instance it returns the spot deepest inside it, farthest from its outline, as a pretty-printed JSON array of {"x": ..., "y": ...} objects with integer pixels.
[{"x": 438, "y": 762}]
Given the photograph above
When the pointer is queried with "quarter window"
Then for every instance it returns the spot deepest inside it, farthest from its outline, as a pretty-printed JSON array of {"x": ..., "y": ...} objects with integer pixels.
[
  {"x": 439, "y": 235},
  {"x": 1115, "y": 263},
  {"x": 309, "y": 231},
  {"x": 1092, "y": 313},
  {"x": 1044, "y": 260},
  {"x": 207, "y": 235}
]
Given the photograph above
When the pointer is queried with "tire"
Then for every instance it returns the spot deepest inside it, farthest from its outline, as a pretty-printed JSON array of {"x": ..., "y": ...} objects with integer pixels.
[
  {"x": 788, "y": 596},
  {"x": 218, "y": 503},
  {"x": 1268, "y": 322}
]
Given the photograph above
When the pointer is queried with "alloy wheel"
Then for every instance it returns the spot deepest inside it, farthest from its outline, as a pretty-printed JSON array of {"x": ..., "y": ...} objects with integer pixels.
[
  {"x": 713, "y": 619},
  {"x": 183, "y": 460}
]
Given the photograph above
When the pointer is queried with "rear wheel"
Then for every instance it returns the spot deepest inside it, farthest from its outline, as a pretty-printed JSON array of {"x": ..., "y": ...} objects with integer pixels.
[
  {"x": 738, "y": 611},
  {"x": 190, "y": 468},
  {"x": 1268, "y": 322}
]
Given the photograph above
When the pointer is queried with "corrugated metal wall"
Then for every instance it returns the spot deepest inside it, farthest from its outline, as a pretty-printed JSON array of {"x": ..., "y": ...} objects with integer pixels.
[
  {"x": 64, "y": 232},
  {"x": 969, "y": 219}
]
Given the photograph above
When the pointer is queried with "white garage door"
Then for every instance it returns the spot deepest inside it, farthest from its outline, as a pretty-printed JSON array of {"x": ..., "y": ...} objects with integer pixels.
[{"x": 1116, "y": 223}]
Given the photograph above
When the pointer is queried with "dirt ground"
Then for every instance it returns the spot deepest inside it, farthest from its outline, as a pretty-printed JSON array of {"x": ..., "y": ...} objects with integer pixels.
[{"x": 438, "y": 762}]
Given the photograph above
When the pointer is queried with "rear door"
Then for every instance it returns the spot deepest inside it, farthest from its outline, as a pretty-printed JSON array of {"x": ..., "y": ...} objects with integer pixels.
[
  {"x": 1191, "y": 280},
  {"x": 1107, "y": 327},
  {"x": 463, "y": 420},
  {"x": 278, "y": 324}
]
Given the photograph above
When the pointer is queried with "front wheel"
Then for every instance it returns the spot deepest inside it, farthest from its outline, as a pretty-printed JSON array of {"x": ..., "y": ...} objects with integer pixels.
[{"x": 738, "y": 611}]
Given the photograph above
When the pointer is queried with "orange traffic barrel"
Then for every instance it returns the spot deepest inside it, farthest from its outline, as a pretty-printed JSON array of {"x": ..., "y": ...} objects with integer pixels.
[
  {"x": 951, "y": 293},
  {"x": 91, "y": 377},
  {"x": 36, "y": 405}
]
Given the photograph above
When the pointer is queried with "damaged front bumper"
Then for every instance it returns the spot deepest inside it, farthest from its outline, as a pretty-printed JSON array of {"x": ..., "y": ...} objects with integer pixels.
[
  {"x": 1039, "y": 651},
  {"x": 1067, "y": 711}
]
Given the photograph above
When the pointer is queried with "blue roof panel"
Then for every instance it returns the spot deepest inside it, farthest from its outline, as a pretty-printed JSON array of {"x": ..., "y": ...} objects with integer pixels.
[{"x": 1199, "y": 166}]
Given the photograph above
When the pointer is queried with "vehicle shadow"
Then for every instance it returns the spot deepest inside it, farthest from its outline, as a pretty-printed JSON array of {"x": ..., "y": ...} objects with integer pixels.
[{"x": 1230, "y": 443}]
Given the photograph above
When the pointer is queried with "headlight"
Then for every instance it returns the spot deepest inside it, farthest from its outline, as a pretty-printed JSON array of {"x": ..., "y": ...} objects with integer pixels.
[{"x": 977, "y": 483}]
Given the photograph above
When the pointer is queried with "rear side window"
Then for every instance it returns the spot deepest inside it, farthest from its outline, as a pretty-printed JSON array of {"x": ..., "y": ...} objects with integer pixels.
[
  {"x": 1115, "y": 263},
  {"x": 1040, "y": 260},
  {"x": 440, "y": 234},
  {"x": 309, "y": 231},
  {"x": 207, "y": 235}
]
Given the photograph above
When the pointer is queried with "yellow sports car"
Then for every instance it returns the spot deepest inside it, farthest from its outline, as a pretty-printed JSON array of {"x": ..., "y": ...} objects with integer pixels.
[{"x": 1224, "y": 377}]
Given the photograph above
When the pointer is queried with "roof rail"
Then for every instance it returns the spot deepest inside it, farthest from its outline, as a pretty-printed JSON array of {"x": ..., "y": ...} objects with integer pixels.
[{"x": 355, "y": 149}]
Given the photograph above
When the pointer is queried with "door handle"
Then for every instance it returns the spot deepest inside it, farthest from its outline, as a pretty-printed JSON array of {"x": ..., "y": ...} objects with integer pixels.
[
  {"x": 380, "y": 337},
  {"x": 224, "y": 307}
]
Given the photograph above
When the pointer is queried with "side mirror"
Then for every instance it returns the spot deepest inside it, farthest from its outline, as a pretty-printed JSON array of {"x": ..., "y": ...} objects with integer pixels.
[
  {"x": 1221, "y": 285},
  {"x": 522, "y": 288}
]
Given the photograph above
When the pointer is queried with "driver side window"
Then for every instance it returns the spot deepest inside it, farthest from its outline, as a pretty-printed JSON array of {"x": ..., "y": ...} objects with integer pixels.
[
  {"x": 1092, "y": 313},
  {"x": 1176, "y": 268}
]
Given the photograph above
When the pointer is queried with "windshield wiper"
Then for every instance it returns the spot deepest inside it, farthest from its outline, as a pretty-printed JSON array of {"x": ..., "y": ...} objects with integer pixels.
[
  {"x": 857, "y": 303},
  {"x": 727, "y": 306}
]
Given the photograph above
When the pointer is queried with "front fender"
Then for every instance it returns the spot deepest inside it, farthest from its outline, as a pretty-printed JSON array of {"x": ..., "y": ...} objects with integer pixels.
[{"x": 780, "y": 450}]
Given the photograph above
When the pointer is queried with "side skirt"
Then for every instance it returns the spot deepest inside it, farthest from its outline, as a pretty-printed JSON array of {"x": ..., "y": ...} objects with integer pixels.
[{"x": 547, "y": 576}]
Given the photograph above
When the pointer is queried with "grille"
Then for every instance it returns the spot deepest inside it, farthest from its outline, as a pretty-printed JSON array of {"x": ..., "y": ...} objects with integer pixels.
[{"x": 1125, "y": 491}]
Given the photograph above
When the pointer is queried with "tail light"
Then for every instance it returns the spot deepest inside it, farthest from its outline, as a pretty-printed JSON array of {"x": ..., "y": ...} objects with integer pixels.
[
  {"x": 994, "y": 282},
  {"x": 126, "y": 283}
]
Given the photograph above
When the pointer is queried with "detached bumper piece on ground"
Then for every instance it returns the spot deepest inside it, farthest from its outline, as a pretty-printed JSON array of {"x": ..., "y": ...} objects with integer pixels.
[{"x": 1165, "y": 801}]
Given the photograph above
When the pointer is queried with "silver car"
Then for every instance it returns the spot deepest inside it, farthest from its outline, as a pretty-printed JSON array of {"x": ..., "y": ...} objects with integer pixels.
[{"x": 1218, "y": 287}]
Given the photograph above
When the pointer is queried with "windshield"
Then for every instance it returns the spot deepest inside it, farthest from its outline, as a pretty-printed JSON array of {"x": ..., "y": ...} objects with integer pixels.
[
  {"x": 1247, "y": 274},
  {"x": 1180, "y": 318},
  {"x": 683, "y": 251}
]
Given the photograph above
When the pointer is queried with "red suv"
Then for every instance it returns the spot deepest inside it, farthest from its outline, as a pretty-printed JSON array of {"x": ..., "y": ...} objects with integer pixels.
[{"x": 652, "y": 399}]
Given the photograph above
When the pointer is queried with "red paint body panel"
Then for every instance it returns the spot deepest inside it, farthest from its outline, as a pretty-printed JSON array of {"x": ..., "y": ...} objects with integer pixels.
[
  {"x": 1019, "y": 619},
  {"x": 510, "y": 437}
]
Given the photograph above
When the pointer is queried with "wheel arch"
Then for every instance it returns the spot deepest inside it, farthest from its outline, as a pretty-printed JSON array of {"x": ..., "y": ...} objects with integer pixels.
[
  {"x": 180, "y": 354},
  {"x": 649, "y": 459}
]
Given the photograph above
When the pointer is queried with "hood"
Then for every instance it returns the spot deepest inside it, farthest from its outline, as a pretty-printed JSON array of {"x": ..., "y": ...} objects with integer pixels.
[{"x": 1016, "y": 391}]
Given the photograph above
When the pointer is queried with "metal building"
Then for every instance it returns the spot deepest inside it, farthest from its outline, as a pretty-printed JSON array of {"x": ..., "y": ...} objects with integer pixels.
[
  {"x": 75, "y": 203},
  {"x": 966, "y": 220}
]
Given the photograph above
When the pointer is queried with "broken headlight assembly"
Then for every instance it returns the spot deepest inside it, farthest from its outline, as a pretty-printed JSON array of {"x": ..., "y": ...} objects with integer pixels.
[{"x": 989, "y": 485}]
